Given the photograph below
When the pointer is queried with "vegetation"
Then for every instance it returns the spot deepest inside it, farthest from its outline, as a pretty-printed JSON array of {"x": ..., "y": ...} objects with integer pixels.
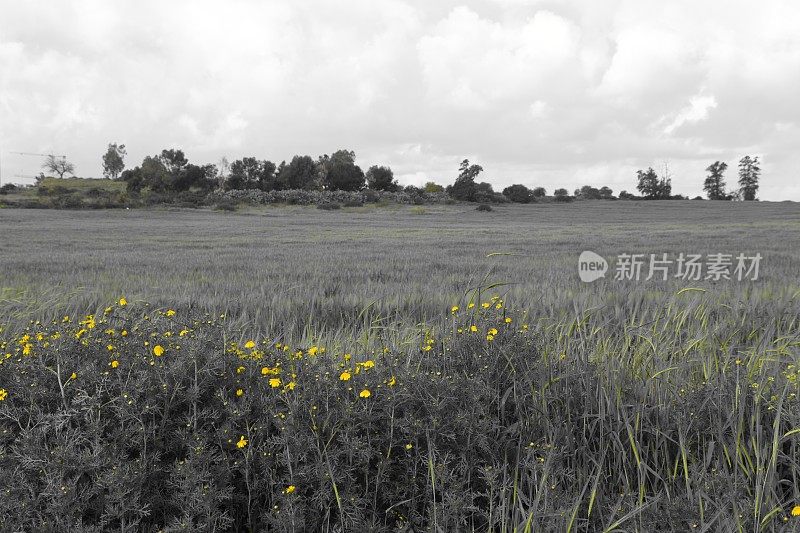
[{"x": 235, "y": 387}]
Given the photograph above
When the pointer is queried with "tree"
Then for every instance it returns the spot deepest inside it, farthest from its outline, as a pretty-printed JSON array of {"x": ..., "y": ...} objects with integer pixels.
[
  {"x": 651, "y": 186},
  {"x": 203, "y": 177},
  {"x": 715, "y": 182},
  {"x": 432, "y": 187},
  {"x": 114, "y": 160},
  {"x": 251, "y": 173},
  {"x": 518, "y": 194},
  {"x": 340, "y": 172},
  {"x": 587, "y": 192},
  {"x": 539, "y": 192},
  {"x": 606, "y": 193},
  {"x": 58, "y": 165},
  {"x": 749, "y": 173},
  {"x": 562, "y": 195},
  {"x": 381, "y": 179},
  {"x": 464, "y": 186},
  {"x": 300, "y": 173}
]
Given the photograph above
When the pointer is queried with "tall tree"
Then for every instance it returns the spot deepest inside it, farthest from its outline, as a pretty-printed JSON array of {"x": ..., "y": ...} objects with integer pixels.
[
  {"x": 715, "y": 181},
  {"x": 652, "y": 186},
  {"x": 381, "y": 179},
  {"x": 251, "y": 173},
  {"x": 340, "y": 172},
  {"x": 749, "y": 174},
  {"x": 464, "y": 186},
  {"x": 300, "y": 173},
  {"x": 58, "y": 165},
  {"x": 114, "y": 160}
]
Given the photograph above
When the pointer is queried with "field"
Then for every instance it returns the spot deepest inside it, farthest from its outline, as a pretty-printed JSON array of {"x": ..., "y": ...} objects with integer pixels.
[{"x": 397, "y": 368}]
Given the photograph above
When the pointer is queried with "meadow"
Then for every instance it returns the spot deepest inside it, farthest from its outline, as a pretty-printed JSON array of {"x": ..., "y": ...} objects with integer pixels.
[{"x": 397, "y": 368}]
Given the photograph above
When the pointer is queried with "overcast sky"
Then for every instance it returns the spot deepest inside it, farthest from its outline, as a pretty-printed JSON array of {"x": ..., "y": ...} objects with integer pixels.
[{"x": 552, "y": 93}]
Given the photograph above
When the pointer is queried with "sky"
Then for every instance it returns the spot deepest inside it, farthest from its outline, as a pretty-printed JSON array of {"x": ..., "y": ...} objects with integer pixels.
[{"x": 558, "y": 93}]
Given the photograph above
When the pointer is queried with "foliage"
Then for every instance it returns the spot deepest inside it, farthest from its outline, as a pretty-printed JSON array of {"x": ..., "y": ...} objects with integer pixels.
[
  {"x": 518, "y": 194},
  {"x": 432, "y": 187},
  {"x": 381, "y": 178},
  {"x": 749, "y": 173},
  {"x": 715, "y": 182},
  {"x": 484, "y": 207},
  {"x": 464, "y": 188},
  {"x": 142, "y": 418},
  {"x": 300, "y": 173},
  {"x": 651, "y": 186},
  {"x": 114, "y": 160}
]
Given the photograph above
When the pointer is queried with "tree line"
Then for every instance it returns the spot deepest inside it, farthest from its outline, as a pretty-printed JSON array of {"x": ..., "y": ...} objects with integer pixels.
[{"x": 171, "y": 172}]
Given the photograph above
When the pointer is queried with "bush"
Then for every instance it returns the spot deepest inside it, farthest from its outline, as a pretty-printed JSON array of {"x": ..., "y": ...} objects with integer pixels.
[
  {"x": 328, "y": 206},
  {"x": 353, "y": 203},
  {"x": 8, "y": 188},
  {"x": 225, "y": 205},
  {"x": 484, "y": 207}
]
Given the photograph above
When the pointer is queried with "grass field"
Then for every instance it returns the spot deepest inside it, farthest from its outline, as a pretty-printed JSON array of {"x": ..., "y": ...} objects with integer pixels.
[{"x": 366, "y": 402}]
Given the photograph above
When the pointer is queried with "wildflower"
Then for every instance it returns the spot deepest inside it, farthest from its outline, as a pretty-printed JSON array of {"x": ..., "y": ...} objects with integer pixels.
[
  {"x": 392, "y": 381},
  {"x": 454, "y": 309},
  {"x": 471, "y": 305},
  {"x": 124, "y": 333},
  {"x": 486, "y": 305},
  {"x": 74, "y": 376},
  {"x": 170, "y": 312},
  {"x": 347, "y": 357},
  {"x": 123, "y": 302},
  {"x": 3, "y": 394},
  {"x": 492, "y": 331},
  {"x": 796, "y": 510},
  {"x": 114, "y": 363},
  {"x": 473, "y": 329},
  {"x": 490, "y": 337},
  {"x": 275, "y": 383},
  {"x": 291, "y": 385},
  {"x": 26, "y": 350},
  {"x": 250, "y": 345},
  {"x": 368, "y": 364},
  {"x": 239, "y": 392},
  {"x": 242, "y": 442},
  {"x": 110, "y": 347},
  {"x": 158, "y": 350},
  {"x": 313, "y": 351},
  {"x": 409, "y": 446},
  {"x": 290, "y": 489},
  {"x": 240, "y": 369},
  {"x": 183, "y": 332},
  {"x": 344, "y": 376},
  {"x": 508, "y": 320},
  {"x": 365, "y": 393}
]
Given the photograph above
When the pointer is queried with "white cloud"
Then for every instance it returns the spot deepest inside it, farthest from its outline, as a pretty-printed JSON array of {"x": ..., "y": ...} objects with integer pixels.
[{"x": 550, "y": 92}]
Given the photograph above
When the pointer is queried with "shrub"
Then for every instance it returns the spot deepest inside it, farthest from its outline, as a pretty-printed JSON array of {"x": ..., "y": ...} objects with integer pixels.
[
  {"x": 353, "y": 203},
  {"x": 225, "y": 205},
  {"x": 328, "y": 206},
  {"x": 484, "y": 207}
]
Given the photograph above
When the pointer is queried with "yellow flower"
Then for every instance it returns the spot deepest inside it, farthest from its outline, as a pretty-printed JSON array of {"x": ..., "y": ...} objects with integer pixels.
[
  {"x": 796, "y": 510},
  {"x": 170, "y": 312},
  {"x": 123, "y": 302},
  {"x": 508, "y": 320},
  {"x": 74, "y": 376},
  {"x": 486, "y": 305},
  {"x": 158, "y": 350},
  {"x": 454, "y": 309},
  {"x": 473, "y": 329},
  {"x": 365, "y": 393},
  {"x": 471, "y": 305},
  {"x": 242, "y": 442},
  {"x": 110, "y": 347},
  {"x": 240, "y": 369},
  {"x": 313, "y": 351},
  {"x": 250, "y": 345},
  {"x": 183, "y": 332},
  {"x": 290, "y": 489},
  {"x": 124, "y": 333},
  {"x": 275, "y": 383},
  {"x": 492, "y": 331},
  {"x": 392, "y": 381},
  {"x": 3, "y": 394},
  {"x": 409, "y": 446},
  {"x": 490, "y": 338},
  {"x": 344, "y": 376},
  {"x": 239, "y": 392},
  {"x": 368, "y": 364},
  {"x": 114, "y": 363},
  {"x": 291, "y": 385}
]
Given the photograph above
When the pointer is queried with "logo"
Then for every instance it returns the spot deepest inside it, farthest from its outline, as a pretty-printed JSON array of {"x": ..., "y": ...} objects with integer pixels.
[{"x": 591, "y": 267}]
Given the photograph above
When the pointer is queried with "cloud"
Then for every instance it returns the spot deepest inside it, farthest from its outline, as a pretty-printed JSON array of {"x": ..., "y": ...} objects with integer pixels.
[{"x": 541, "y": 92}]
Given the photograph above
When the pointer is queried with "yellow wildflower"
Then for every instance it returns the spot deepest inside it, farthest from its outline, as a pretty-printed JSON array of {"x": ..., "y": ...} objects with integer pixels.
[
  {"x": 239, "y": 392},
  {"x": 74, "y": 376},
  {"x": 471, "y": 305},
  {"x": 473, "y": 329},
  {"x": 290, "y": 489},
  {"x": 123, "y": 302},
  {"x": 454, "y": 309},
  {"x": 275, "y": 383},
  {"x": 492, "y": 331},
  {"x": 392, "y": 381},
  {"x": 170, "y": 312},
  {"x": 344, "y": 376},
  {"x": 313, "y": 351},
  {"x": 250, "y": 345},
  {"x": 240, "y": 369},
  {"x": 365, "y": 393},
  {"x": 409, "y": 446},
  {"x": 114, "y": 363},
  {"x": 796, "y": 510},
  {"x": 242, "y": 442},
  {"x": 291, "y": 385},
  {"x": 158, "y": 350},
  {"x": 508, "y": 320},
  {"x": 3, "y": 394},
  {"x": 368, "y": 364}
]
